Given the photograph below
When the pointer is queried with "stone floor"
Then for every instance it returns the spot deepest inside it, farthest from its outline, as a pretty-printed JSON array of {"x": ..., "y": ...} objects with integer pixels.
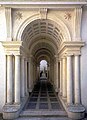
[{"x": 43, "y": 97}]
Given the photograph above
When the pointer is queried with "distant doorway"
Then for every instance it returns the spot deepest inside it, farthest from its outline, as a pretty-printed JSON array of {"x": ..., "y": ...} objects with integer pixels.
[{"x": 43, "y": 69}]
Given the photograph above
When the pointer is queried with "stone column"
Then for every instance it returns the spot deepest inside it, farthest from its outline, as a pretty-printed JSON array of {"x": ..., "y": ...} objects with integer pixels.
[
  {"x": 77, "y": 80},
  {"x": 30, "y": 77},
  {"x": 26, "y": 77},
  {"x": 37, "y": 72},
  {"x": 54, "y": 81},
  {"x": 22, "y": 78},
  {"x": 69, "y": 80},
  {"x": 56, "y": 74},
  {"x": 17, "y": 79},
  {"x": 49, "y": 72},
  {"x": 60, "y": 77},
  {"x": 64, "y": 78},
  {"x": 9, "y": 79}
]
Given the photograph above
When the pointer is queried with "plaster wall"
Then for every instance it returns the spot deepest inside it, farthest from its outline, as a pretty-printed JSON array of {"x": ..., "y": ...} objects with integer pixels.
[
  {"x": 84, "y": 59},
  {"x": 2, "y": 25}
]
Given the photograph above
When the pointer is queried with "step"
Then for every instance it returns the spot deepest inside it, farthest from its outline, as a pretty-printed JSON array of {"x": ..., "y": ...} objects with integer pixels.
[
  {"x": 44, "y": 113},
  {"x": 42, "y": 118}
]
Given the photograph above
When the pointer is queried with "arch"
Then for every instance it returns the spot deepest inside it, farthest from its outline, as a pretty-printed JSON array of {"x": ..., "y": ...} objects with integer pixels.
[
  {"x": 40, "y": 44},
  {"x": 50, "y": 17},
  {"x": 45, "y": 57}
]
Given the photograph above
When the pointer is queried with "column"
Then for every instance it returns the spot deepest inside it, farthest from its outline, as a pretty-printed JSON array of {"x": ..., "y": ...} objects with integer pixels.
[
  {"x": 69, "y": 80},
  {"x": 17, "y": 79},
  {"x": 56, "y": 74},
  {"x": 26, "y": 77},
  {"x": 49, "y": 72},
  {"x": 77, "y": 80},
  {"x": 60, "y": 77},
  {"x": 38, "y": 72},
  {"x": 22, "y": 78},
  {"x": 30, "y": 83},
  {"x": 9, "y": 79},
  {"x": 64, "y": 78}
]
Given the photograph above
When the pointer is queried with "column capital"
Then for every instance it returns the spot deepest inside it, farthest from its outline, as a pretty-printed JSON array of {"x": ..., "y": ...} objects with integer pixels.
[
  {"x": 63, "y": 57},
  {"x": 56, "y": 56},
  {"x": 69, "y": 54},
  {"x": 29, "y": 59},
  {"x": 26, "y": 59},
  {"x": 77, "y": 54},
  {"x": 17, "y": 55},
  {"x": 22, "y": 56}
]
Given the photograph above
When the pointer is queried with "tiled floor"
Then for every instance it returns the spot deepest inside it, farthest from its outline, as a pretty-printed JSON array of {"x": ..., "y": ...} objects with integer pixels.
[{"x": 43, "y": 97}]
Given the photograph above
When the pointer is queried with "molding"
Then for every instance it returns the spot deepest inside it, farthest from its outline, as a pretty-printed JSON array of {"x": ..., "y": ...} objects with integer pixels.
[
  {"x": 70, "y": 48},
  {"x": 12, "y": 47},
  {"x": 15, "y": 48},
  {"x": 45, "y": 4}
]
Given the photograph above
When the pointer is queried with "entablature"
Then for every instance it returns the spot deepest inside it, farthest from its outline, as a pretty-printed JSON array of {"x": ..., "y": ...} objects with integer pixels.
[
  {"x": 14, "y": 48},
  {"x": 70, "y": 48}
]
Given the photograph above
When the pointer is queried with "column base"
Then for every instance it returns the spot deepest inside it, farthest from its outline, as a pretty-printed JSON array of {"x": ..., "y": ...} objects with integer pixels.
[
  {"x": 13, "y": 111},
  {"x": 76, "y": 112}
]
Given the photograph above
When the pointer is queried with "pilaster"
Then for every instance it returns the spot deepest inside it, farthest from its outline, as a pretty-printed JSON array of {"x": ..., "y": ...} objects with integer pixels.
[
  {"x": 77, "y": 23},
  {"x": 8, "y": 23}
]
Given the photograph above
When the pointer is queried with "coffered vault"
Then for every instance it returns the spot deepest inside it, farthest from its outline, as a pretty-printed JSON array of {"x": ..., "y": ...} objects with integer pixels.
[{"x": 43, "y": 37}]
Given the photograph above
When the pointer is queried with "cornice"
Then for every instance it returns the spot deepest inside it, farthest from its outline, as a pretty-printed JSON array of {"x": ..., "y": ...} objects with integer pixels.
[
  {"x": 12, "y": 47},
  {"x": 71, "y": 48},
  {"x": 44, "y": 4}
]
